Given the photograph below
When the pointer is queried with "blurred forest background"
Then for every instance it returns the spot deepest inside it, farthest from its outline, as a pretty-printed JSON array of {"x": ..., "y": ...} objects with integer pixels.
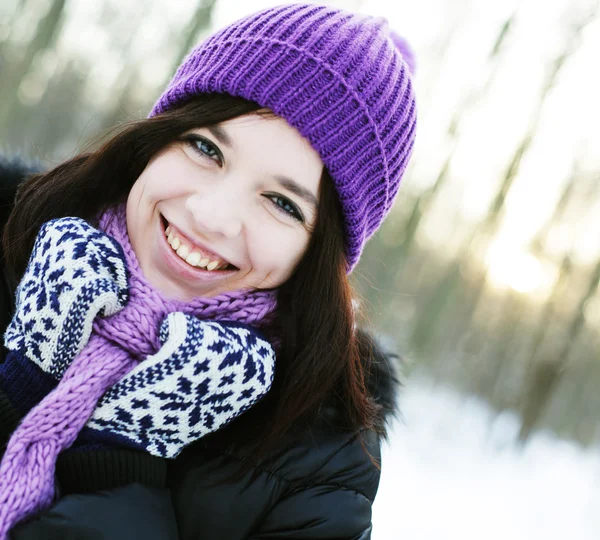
[{"x": 486, "y": 275}]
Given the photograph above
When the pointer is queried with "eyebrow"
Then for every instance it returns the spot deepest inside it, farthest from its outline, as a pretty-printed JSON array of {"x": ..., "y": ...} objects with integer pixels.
[
  {"x": 221, "y": 135},
  {"x": 297, "y": 189}
]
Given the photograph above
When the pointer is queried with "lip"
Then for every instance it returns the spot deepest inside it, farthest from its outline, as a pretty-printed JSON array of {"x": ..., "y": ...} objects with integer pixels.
[{"x": 179, "y": 266}]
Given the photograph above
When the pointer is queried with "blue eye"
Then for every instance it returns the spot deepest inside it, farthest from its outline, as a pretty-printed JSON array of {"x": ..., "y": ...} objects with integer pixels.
[
  {"x": 204, "y": 147},
  {"x": 287, "y": 207}
]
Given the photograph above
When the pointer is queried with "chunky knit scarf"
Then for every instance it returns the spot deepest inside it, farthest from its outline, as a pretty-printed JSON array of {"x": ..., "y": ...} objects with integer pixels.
[{"x": 172, "y": 375}]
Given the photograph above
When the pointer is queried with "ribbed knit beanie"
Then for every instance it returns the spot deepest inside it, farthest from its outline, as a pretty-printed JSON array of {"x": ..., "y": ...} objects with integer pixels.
[{"x": 342, "y": 79}]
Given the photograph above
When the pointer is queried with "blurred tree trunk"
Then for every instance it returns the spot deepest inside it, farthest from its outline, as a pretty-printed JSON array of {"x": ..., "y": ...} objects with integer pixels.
[
  {"x": 514, "y": 307},
  {"x": 46, "y": 32},
  {"x": 538, "y": 244},
  {"x": 12, "y": 18},
  {"x": 543, "y": 373},
  {"x": 546, "y": 373},
  {"x": 426, "y": 199},
  {"x": 433, "y": 308},
  {"x": 543, "y": 381},
  {"x": 199, "y": 22},
  {"x": 493, "y": 219},
  {"x": 498, "y": 362}
]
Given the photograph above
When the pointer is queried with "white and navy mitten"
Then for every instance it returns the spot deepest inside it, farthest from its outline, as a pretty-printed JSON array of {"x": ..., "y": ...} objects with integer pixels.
[
  {"x": 75, "y": 272},
  {"x": 204, "y": 375}
]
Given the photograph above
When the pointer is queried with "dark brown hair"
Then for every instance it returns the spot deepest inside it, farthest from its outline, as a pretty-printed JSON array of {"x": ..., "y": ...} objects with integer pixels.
[{"x": 319, "y": 364}]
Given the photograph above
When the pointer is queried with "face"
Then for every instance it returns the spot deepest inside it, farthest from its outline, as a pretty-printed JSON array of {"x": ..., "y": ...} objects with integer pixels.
[{"x": 225, "y": 208}]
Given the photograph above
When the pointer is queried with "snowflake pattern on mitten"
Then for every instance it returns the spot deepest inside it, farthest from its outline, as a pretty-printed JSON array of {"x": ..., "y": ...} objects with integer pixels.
[
  {"x": 204, "y": 375},
  {"x": 75, "y": 272}
]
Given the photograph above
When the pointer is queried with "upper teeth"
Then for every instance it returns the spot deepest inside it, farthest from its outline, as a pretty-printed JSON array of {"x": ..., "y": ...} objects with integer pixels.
[{"x": 193, "y": 258}]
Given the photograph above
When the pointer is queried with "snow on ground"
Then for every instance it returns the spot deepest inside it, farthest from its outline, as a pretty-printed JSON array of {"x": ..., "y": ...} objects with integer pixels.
[{"x": 451, "y": 471}]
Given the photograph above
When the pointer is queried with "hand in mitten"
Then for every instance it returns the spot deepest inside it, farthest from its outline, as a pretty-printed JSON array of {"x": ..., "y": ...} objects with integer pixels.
[
  {"x": 204, "y": 375},
  {"x": 75, "y": 272}
]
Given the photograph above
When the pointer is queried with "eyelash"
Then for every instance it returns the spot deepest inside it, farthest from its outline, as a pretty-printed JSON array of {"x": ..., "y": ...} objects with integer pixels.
[
  {"x": 293, "y": 212},
  {"x": 193, "y": 140},
  {"x": 279, "y": 201}
]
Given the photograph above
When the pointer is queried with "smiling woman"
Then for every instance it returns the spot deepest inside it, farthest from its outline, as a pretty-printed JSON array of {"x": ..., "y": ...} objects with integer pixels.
[
  {"x": 234, "y": 214},
  {"x": 183, "y": 337}
]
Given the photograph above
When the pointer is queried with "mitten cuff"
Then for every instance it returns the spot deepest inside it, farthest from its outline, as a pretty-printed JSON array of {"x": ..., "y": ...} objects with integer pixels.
[
  {"x": 9, "y": 420},
  {"x": 92, "y": 471},
  {"x": 24, "y": 383}
]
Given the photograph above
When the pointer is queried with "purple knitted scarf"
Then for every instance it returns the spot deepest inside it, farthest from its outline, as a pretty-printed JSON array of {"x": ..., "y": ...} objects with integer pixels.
[{"x": 115, "y": 347}]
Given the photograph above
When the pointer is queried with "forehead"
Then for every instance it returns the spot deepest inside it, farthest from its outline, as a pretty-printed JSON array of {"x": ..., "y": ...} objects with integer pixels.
[{"x": 258, "y": 130}]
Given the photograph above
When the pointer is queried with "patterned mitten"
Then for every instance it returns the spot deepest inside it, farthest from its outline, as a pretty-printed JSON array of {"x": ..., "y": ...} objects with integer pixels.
[
  {"x": 75, "y": 273},
  {"x": 204, "y": 375}
]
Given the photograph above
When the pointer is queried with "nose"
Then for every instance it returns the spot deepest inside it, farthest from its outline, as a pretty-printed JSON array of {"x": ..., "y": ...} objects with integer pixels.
[{"x": 216, "y": 212}]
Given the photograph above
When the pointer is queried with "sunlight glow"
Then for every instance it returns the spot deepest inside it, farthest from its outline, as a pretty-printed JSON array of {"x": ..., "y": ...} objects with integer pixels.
[{"x": 518, "y": 270}]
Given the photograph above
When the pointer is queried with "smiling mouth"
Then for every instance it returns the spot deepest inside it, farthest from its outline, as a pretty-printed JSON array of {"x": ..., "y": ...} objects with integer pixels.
[{"x": 192, "y": 255}]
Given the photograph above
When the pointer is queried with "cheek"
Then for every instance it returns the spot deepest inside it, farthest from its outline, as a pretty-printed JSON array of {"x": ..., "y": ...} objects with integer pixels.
[
  {"x": 167, "y": 177},
  {"x": 277, "y": 252}
]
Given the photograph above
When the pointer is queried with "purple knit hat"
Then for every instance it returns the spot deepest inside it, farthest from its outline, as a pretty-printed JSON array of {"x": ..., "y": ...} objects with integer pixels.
[{"x": 342, "y": 79}]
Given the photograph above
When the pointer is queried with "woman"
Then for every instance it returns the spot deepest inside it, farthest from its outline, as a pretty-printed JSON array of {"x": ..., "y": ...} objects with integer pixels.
[{"x": 273, "y": 155}]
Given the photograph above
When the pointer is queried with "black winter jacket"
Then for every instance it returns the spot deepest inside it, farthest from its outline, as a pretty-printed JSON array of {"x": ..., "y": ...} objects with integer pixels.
[{"x": 320, "y": 483}]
